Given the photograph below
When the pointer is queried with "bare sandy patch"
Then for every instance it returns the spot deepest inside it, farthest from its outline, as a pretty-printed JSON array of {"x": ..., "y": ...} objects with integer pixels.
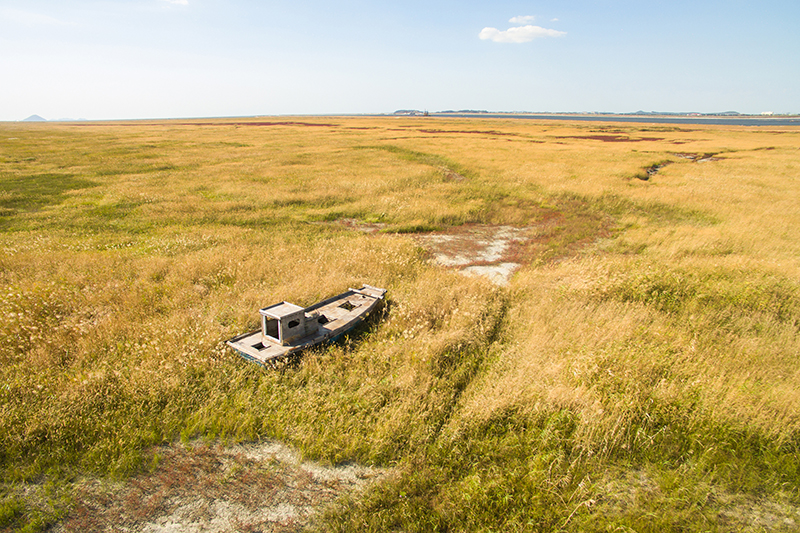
[
  {"x": 477, "y": 250},
  {"x": 496, "y": 251},
  {"x": 263, "y": 487}
]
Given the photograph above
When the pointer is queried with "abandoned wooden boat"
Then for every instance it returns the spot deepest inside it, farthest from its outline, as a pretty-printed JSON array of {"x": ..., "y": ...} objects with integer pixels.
[{"x": 287, "y": 328}]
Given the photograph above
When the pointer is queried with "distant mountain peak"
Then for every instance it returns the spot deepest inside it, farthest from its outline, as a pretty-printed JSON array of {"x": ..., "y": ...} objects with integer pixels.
[{"x": 35, "y": 118}]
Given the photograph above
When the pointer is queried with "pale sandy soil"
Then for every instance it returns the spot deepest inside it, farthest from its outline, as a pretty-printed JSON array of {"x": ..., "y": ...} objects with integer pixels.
[
  {"x": 490, "y": 251},
  {"x": 476, "y": 250},
  {"x": 263, "y": 487}
]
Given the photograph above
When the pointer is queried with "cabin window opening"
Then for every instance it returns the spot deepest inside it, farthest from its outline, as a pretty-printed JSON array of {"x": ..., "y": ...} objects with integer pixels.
[
  {"x": 271, "y": 328},
  {"x": 293, "y": 324},
  {"x": 348, "y": 306}
]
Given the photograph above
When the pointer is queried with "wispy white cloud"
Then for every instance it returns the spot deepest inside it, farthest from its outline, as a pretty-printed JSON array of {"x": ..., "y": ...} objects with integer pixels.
[
  {"x": 518, "y": 34},
  {"x": 522, "y": 19},
  {"x": 177, "y": 2}
]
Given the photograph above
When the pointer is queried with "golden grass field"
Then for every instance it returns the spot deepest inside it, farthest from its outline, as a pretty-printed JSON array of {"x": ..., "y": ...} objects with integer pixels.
[{"x": 638, "y": 373}]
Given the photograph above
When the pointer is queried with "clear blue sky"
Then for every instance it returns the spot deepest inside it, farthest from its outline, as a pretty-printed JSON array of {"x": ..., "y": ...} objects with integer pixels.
[{"x": 104, "y": 59}]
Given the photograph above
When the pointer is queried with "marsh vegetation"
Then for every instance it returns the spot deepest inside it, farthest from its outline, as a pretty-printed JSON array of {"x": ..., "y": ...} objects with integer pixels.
[{"x": 638, "y": 372}]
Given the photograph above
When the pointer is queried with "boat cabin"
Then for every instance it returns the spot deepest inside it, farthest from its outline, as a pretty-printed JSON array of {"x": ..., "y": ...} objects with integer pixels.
[
  {"x": 285, "y": 323},
  {"x": 287, "y": 329}
]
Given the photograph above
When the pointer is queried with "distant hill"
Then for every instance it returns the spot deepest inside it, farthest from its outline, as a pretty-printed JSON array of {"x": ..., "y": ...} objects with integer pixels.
[{"x": 35, "y": 118}]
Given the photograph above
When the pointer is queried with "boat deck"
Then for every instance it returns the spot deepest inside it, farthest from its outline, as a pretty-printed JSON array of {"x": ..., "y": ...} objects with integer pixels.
[{"x": 342, "y": 313}]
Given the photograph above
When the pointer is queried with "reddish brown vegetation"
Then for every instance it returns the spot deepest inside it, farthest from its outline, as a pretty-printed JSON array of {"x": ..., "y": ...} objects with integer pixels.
[
  {"x": 612, "y": 138},
  {"x": 211, "y": 488}
]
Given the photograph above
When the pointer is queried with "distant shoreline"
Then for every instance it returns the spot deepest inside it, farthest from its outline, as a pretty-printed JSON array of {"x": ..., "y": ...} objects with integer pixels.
[
  {"x": 719, "y": 120},
  {"x": 716, "y": 120}
]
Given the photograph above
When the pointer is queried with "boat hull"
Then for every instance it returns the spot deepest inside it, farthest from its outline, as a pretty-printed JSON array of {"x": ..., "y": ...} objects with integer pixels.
[{"x": 341, "y": 314}]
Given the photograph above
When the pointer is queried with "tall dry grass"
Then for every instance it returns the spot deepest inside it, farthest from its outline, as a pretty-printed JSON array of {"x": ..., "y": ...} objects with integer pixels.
[{"x": 627, "y": 377}]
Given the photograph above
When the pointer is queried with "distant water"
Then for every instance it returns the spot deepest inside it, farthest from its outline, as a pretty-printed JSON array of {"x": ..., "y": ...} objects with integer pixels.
[{"x": 646, "y": 119}]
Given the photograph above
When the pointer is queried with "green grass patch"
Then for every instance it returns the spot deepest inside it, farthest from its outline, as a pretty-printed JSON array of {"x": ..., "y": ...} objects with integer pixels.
[
  {"x": 419, "y": 227},
  {"x": 654, "y": 212},
  {"x": 422, "y": 158},
  {"x": 520, "y": 473},
  {"x": 34, "y": 191},
  {"x": 42, "y": 507},
  {"x": 722, "y": 293}
]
